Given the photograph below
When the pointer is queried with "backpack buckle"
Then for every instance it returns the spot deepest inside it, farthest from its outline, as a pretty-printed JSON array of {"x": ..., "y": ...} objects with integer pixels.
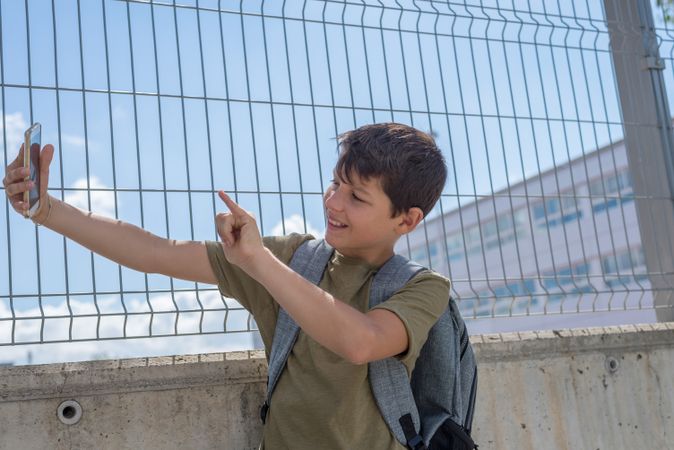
[{"x": 416, "y": 443}]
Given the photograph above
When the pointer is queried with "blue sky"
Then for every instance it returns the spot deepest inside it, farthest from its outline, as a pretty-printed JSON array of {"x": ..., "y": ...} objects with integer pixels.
[{"x": 507, "y": 92}]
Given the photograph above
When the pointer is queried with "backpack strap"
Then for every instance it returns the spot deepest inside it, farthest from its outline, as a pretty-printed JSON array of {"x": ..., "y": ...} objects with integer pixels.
[
  {"x": 388, "y": 377},
  {"x": 309, "y": 260}
]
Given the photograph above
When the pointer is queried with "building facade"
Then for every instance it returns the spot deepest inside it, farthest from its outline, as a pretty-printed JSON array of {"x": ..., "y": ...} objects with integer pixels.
[{"x": 560, "y": 249}]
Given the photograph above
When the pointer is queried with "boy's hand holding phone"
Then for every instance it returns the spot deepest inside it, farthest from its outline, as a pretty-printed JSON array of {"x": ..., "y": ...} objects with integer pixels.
[
  {"x": 27, "y": 177},
  {"x": 240, "y": 235}
]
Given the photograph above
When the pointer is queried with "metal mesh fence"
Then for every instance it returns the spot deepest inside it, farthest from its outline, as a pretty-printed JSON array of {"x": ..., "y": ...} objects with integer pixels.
[{"x": 152, "y": 106}]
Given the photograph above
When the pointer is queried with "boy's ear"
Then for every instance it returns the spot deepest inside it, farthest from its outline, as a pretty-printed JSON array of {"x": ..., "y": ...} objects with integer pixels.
[{"x": 410, "y": 219}]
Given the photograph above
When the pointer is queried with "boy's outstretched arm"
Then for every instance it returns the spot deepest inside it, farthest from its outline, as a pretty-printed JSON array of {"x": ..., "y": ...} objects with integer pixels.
[
  {"x": 356, "y": 336},
  {"x": 121, "y": 242}
]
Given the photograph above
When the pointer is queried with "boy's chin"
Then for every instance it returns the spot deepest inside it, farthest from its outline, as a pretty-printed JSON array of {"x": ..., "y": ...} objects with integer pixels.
[
  {"x": 329, "y": 239},
  {"x": 333, "y": 241}
]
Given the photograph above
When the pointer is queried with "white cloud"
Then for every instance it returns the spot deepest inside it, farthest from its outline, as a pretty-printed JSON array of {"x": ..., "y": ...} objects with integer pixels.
[
  {"x": 114, "y": 326},
  {"x": 120, "y": 114},
  {"x": 295, "y": 224},
  {"x": 73, "y": 140},
  {"x": 15, "y": 126},
  {"x": 102, "y": 202}
]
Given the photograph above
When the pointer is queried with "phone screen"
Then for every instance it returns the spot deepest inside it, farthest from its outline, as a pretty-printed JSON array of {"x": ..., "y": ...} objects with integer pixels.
[{"x": 35, "y": 144}]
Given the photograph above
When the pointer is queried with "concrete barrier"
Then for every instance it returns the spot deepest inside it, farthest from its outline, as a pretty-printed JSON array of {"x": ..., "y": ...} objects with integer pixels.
[
  {"x": 587, "y": 389},
  {"x": 183, "y": 402},
  {"x": 606, "y": 388}
]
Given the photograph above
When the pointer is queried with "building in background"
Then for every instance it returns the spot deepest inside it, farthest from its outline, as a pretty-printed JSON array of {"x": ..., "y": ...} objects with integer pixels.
[{"x": 560, "y": 249}]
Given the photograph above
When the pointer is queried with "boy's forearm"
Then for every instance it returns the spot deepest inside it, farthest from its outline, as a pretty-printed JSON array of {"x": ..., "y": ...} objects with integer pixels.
[
  {"x": 344, "y": 330},
  {"x": 332, "y": 323},
  {"x": 121, "y": 242}
]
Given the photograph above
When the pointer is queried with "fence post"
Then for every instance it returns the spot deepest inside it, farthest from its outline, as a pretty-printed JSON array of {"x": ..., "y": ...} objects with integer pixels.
[{"x": 648, "y": 139}]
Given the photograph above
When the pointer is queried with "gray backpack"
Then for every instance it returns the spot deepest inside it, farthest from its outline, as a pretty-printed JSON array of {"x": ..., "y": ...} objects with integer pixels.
[{"x": 432, "y": 411}]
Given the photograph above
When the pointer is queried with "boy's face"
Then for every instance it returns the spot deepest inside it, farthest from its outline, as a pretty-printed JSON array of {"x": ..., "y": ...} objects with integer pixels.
[{"x": 359, "y": 219}]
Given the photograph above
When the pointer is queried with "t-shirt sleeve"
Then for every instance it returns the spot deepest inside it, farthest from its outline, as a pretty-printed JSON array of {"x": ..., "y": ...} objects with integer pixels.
[
  {"x": 418, "y": 304},
  {"x": 235, "y": 283}
]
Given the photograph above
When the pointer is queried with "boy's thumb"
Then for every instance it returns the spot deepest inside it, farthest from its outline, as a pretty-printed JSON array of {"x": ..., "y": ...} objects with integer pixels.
[{"x": 46, "y": 156}]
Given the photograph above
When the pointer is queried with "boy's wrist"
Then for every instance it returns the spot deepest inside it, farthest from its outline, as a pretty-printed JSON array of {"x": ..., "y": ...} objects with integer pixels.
[
  {"x": 43, "y": 213},
  {"x": 259, "y": 263}
]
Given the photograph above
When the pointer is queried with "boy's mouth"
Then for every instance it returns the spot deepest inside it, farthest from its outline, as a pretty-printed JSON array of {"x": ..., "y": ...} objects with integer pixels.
[{"x": 335, "y": 223}]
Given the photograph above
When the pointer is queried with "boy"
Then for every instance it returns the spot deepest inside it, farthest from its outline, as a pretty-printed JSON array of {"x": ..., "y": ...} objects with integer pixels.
[{"x": 387, "y": 178}]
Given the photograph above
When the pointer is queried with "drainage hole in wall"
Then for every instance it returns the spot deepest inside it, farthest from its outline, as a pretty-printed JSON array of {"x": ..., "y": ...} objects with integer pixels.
[{"x": 69, "y": 412}]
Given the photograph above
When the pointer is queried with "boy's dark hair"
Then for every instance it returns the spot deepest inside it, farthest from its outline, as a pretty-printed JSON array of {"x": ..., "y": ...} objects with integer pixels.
[{"x": 407, "y": 162}]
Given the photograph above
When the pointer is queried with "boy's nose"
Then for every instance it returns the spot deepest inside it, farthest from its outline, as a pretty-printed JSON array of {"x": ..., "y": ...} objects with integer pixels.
[{"x": 333, "y": 200}]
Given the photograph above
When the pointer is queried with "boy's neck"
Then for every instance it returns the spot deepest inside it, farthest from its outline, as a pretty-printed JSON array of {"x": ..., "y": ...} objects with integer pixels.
[{"x": 372, "y": 258}]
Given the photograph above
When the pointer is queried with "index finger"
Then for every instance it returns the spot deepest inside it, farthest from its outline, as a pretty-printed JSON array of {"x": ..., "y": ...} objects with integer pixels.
[{"x": 231, "y": 204}]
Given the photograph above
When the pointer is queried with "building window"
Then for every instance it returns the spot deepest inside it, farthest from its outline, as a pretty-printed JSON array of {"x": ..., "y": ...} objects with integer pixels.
[
  {"x": 436, "y": 255},
  {"x": 501, "y": 300},
  {"x": 490, "y": 233},
  {"x": 557, "y": 211},
  {"x": 485, "y": 304},
  {"x": 455, "y": 246},
  {"x": 420, "y": 254},
  {"x": 467, "y": 307},
  {"x": 460, "y": 243},
  {"x": 504, "y": 228},
  {"x": 608, "y": 192},
  {"x": 567, "y": 281},
  {"x": 473, "y": 240},
  {"x": 624, "y": 267}
]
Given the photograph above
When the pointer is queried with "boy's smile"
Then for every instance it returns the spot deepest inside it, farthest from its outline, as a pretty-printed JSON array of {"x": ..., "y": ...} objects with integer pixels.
[
  {"x": 359, "y": 222},
  {"x": 334, "y": 223}
]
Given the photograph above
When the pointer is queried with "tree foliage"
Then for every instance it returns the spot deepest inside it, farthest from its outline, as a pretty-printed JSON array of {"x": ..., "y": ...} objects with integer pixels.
[{"x": 667, "y": 7}]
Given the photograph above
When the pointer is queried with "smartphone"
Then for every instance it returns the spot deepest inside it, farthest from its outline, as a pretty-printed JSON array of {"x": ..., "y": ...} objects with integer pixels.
[{"x": 31, "y": 159}]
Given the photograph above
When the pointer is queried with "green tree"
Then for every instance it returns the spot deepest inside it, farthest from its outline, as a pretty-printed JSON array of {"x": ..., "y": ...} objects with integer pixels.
[{"x": 667, "y": 7}]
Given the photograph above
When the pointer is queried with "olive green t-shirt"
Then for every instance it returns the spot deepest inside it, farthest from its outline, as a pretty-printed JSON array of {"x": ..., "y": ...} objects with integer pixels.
[{"x": 323, "y": 401}]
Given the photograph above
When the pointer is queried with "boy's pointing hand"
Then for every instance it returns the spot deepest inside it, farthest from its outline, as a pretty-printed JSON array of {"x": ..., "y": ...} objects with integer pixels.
[{"x": 239, "y": 233}]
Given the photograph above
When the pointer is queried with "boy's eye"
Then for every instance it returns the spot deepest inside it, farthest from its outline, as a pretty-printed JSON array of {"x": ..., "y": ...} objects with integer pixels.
[{"x": 356, "y": 197}]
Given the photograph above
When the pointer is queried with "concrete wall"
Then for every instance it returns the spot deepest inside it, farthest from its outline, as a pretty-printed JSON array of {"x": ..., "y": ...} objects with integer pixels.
[
  {"x": 608, "y": 388},
  {"x": 182, "y": 402},
  {"x": 603, "y": 388}
]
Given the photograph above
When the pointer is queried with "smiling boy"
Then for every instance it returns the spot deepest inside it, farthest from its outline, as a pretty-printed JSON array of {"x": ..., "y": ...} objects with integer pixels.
[{"x": 387, "y": 178}]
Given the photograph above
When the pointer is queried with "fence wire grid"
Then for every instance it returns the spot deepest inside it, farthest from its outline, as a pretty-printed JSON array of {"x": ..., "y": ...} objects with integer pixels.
[{"x": 551, "y": 216}]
